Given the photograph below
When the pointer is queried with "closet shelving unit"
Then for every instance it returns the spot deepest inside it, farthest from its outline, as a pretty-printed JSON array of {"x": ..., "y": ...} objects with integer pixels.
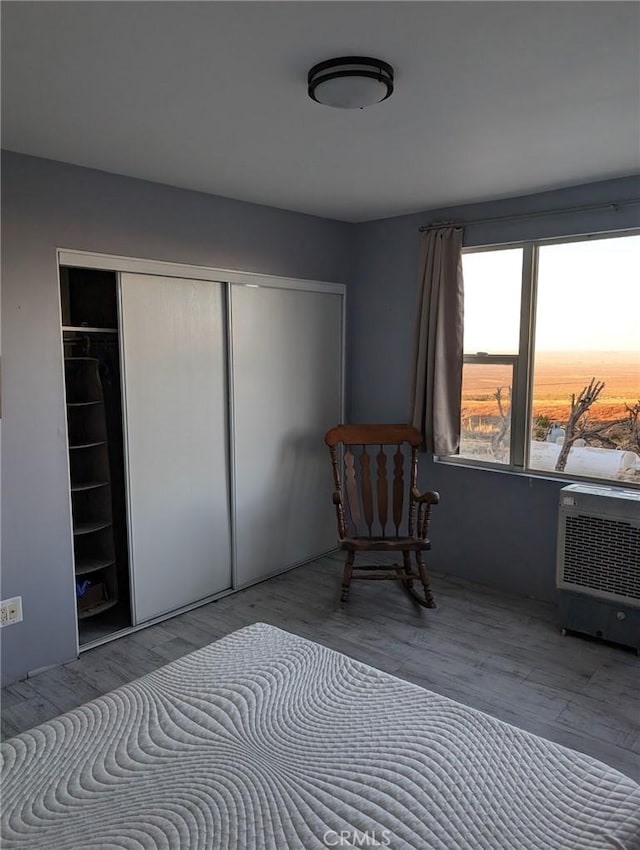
[
  {"x": 95, "y": 562},
  {"x": 94, "y": 426}
]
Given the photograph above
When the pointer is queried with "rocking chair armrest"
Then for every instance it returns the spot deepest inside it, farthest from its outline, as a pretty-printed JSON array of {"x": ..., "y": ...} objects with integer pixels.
[{"x": 430, "y": 497}]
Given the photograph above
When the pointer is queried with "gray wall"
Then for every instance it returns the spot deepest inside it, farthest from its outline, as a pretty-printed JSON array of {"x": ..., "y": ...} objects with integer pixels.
[
  {"x": 492, "y": 527},
  {"x": 48, "y": 205}
]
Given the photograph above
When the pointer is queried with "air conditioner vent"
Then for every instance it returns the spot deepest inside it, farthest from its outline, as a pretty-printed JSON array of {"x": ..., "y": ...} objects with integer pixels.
[{"x": 602, "y": 554}]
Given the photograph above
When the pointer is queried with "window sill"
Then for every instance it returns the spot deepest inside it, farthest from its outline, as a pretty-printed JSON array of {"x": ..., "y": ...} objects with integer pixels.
[{"x": 561, "y": 478}]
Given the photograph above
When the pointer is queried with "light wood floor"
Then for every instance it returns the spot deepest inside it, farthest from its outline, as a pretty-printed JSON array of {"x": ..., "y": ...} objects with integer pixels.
[{"x": 501, "y": 654}]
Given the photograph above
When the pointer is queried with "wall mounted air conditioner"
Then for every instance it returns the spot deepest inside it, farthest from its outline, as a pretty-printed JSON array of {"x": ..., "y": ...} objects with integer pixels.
[{"x": 598, "y": 562}]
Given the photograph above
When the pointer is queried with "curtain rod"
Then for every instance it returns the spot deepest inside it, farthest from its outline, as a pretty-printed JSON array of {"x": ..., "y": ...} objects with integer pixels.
[{"x": 614, "y": 205}]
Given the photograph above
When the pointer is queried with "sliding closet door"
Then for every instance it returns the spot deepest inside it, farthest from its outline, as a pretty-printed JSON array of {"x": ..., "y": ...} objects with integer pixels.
[
  {"x": 287, "y": 390},
  {"x": 176, "y": 402}
]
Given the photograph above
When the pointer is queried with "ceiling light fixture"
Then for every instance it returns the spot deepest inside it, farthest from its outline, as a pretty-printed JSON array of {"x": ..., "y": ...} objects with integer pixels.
[{"x": 351, "y": 82}]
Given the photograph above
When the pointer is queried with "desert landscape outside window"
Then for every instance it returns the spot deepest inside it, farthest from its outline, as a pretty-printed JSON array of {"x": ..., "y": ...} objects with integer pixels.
[{"x": 551, "y": 375}]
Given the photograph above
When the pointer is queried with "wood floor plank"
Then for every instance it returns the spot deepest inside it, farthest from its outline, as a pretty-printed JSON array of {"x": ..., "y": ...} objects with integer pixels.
[
  {"x": 604, "y": 721},
  {"x": 17, "y": 692},
  {"x": 30, "y": 712},
  {"x": 154, "y": 635},
  {"x": 169, "y": 650},
  {"x": 102, "y": 674},
  {"x": 64, "y": 688},
  {"x": 191, "y": 630},
  {"x": 9, "y": 729}
]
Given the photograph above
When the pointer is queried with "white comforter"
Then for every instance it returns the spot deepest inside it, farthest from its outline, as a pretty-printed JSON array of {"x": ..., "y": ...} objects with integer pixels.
[{"x": 266, "y": 740}]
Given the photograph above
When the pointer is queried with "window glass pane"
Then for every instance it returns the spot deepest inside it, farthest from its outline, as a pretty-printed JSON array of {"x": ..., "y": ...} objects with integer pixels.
[
  {"x": 492, "y": 285},
  {"x": 486, "y": 411},
  {"x": 588, "y": 327}
]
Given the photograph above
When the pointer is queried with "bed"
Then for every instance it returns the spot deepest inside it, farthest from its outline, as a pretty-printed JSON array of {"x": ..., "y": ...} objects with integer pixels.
[{"x": 267, "y": 740}]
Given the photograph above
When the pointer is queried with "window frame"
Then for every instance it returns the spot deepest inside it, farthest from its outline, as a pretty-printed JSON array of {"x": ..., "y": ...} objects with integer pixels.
[{"x": 523, "y": 363}]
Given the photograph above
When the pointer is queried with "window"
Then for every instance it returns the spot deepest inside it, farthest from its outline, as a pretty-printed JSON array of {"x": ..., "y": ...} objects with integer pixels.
[{"x": 551, "y": 374}]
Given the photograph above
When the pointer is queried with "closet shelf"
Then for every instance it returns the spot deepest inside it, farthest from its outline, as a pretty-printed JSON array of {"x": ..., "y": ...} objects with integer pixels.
[
  {"x": 92, "y": 359},
  {"x": 88, "y": 445},
  {"x": 90, "y": 527},
  {"x": 92, "y": 565},
  {"x": 88, "y": 485},
  {"x": 93, "y": 330},
  {"x": 84, "y": 403},
  {"x": 97, "y": 609}
]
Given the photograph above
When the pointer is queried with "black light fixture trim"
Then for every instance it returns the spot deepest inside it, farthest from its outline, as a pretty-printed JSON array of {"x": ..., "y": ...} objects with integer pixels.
[{"x": 331, "y": 69}]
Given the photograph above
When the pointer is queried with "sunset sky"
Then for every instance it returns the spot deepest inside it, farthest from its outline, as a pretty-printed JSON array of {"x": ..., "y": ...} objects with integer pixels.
[{"x": 588, "y": 298}]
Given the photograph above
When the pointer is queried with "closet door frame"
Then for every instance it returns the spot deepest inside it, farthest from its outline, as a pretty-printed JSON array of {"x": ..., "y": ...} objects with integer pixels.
[{"x": 226, "y": 277}]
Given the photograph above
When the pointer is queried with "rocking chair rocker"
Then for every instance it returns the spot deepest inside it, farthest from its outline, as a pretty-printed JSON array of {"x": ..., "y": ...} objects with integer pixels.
[{"x": 359, "y": 531}]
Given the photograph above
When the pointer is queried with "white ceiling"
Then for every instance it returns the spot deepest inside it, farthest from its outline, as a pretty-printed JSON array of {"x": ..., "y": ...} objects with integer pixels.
[{"x": 491, "y": 100}]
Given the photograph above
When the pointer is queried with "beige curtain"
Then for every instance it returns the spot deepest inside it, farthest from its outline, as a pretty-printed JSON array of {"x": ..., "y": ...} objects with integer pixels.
[{"x": 437, "y": 365}]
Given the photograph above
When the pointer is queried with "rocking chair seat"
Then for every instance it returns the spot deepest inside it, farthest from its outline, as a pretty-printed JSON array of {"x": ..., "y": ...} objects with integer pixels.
[{"x": 383, "y": 544}]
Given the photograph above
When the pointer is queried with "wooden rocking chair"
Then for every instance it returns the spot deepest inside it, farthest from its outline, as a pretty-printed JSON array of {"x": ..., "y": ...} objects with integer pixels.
[{"x": 359, "y": 531}]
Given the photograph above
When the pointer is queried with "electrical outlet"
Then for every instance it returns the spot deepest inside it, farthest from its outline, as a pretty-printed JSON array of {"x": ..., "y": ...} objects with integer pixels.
[{"x": 11, "y": 611}]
